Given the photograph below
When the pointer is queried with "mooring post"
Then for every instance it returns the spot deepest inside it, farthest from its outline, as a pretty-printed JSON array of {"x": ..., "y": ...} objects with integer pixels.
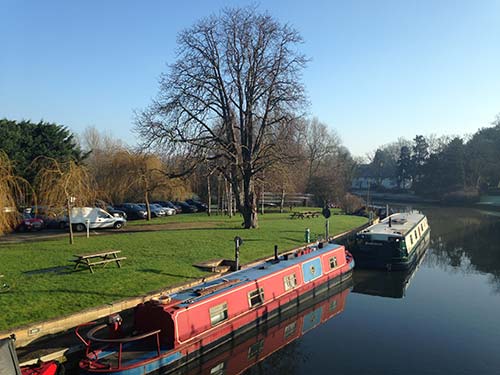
[
  {"x": 237, "y": 243},
  {"x": 327, "y": 230},
  {"x": 275, "y": 252}
]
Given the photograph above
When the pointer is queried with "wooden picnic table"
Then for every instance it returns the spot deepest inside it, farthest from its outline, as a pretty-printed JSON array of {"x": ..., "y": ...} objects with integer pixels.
[
  {"x": 94, "y": 259},
  {"x": 304, "y": 215}
]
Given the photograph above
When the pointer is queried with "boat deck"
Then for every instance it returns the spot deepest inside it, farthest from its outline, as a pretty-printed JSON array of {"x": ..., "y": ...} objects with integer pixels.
[
  {"x": 241, "y": 277},
  {"x": 401, "y": 224}
]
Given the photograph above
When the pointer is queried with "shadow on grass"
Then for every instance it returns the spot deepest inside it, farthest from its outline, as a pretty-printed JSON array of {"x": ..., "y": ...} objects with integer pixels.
[
  {"x": 160, "y": 272},
  {"x": 80, "y": 292},
  {"x": 57, "y": 269},
  {"x": 295, "y": 240},
  {"x": 181, "y": 229}
]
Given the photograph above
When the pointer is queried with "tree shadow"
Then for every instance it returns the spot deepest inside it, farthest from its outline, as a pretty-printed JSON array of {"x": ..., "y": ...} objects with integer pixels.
[
  {"x": 75, "y": 291},
  {"x": 294, "y": 239},
  {"x": 160, "y": 272},
  {"x": 57, "y": 270}
]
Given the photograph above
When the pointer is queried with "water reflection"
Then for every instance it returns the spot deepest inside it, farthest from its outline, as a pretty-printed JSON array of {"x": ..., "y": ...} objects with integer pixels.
[
  {"x": 250, "y": 349},
  {"x": 465, "y": 240}
]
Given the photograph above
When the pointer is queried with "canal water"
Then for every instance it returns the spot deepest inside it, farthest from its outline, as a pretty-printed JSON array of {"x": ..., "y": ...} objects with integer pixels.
[{"x": 442, "y": 318}]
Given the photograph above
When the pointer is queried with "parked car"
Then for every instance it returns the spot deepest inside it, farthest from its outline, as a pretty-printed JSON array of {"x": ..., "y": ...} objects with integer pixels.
[
  {"x": 95, "y": 218},
  {"x": 156, "y": 209},
  {"x": 109, "y": 208},
  {"x": 186, "y": 208},
  {"x": 117, "y": 213},
  {"x": 202, "y": 207},
  {"x": 132, "y": 210},
  {"x": 167, "y": 210},
  {"x": 169, "y": 204},
  {"x": 28, "y": 222},
  {"x": 53, "y": 217}
]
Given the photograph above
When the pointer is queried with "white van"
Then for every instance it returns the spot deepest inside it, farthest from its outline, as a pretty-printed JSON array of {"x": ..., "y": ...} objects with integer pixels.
[{"x": 95, "y": 217}]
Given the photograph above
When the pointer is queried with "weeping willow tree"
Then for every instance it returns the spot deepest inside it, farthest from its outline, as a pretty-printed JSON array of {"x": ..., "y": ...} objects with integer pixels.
[
  {"x": 64, "y": 184},
  {"x": 13, "y": 189}
]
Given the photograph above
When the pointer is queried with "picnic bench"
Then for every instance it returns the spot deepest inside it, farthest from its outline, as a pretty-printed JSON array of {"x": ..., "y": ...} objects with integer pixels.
[
  {"x": 95, "y": 259},
  {"x": 304, "y": 215}
]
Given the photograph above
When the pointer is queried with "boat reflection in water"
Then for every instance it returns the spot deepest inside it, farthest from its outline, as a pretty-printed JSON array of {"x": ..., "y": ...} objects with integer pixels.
[
  {"x": 251, "y": 348},
  {"x": 388, "y": 284}
]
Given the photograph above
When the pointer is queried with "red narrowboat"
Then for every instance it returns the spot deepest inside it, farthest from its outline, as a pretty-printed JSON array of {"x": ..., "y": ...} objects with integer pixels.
[{"x": 173, "y": 330}]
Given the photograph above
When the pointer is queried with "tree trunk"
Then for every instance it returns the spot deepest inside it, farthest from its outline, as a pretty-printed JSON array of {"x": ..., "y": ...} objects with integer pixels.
[
  {"x": 219, "y": 198},
  {"x": 249, "y": 209},
  {"x": 71, "y": 238},
  {"x": 262, "y": 201},
  {"x": 148, "y": 208},
  {"x": 225, "y": 198},
  {"x": 229, "y": 200},
  {"x": 282, "y": 200},
  {"x": 209, "y": 200}
]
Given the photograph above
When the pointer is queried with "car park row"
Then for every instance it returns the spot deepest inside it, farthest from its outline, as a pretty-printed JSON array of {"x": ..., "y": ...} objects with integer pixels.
[{"x": 102, "y": 216}]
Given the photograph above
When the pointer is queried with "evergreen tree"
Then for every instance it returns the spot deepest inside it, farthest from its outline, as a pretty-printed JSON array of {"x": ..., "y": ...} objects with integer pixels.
[
  {"x": 420, "y": 156},
  {"x": 404, "y": 171},
  {"x": 24, "y": 141}
]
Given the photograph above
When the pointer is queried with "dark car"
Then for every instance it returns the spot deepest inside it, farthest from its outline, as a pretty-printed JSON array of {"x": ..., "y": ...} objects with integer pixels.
[
  {"x": 186, "y": 208},
  {"x": 132, "y": 210},
  {"x": 116, "y": 213},
  {"x": 202, "y": 207},
  {"x": 169, "y": 205}
]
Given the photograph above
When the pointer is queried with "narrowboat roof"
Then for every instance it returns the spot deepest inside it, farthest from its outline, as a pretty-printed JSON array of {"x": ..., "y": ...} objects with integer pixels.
[
  {"x": 401, "y": 224},
  {"x": 244, "y": 276}
]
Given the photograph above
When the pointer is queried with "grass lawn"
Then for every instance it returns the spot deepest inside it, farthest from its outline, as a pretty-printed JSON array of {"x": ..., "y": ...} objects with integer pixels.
[{"x": 43, "y": 286}]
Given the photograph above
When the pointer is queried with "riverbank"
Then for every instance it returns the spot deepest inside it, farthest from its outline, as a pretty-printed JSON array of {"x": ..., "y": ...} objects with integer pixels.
[
  {"x": 43, "y": 285},
  {"x": 485, "y": 201}
]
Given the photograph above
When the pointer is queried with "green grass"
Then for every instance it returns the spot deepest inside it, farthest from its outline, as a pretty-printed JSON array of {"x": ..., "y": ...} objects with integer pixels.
[{"x": 42, "y": 285}]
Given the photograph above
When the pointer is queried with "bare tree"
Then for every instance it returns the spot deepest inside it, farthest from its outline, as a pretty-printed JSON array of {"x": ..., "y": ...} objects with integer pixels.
[
  {"x": 320, "y": 142},
  {"x": 64, "y": 184},
  {"x": 12, "y": 190},
  {"x": 232, "y": 94},
  {"x": 149, "y": 177}
]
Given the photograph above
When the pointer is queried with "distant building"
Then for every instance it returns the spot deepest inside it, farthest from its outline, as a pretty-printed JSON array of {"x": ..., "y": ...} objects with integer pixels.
[{"x": 365, "y": 179}]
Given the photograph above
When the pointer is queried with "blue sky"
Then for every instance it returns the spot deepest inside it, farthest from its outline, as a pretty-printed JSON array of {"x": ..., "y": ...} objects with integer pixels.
[{"x": 379, "y": 70}]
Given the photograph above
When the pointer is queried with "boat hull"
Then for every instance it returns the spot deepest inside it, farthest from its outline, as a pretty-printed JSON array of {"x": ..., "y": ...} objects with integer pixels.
[{"x": 375, "y": 261}]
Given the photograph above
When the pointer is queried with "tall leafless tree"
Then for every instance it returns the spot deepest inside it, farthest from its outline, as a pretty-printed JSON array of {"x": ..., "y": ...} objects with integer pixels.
[
  {"x": 233, "y": 93},
  {"x": 320, "y": 142},
  {"x": 62, "y": 184}
]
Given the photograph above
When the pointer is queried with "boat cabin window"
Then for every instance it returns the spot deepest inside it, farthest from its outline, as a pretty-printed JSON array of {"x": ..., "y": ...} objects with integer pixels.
[
  {"x": 256, "y": 297},
  {"x": 290, "y": 281},
  {"x": 333, "y": 262},
  {"x": 218, "y": 313}
]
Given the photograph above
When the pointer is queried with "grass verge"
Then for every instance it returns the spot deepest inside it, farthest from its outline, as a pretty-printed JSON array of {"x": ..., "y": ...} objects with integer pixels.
[{"x": 43, "y": 285}]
